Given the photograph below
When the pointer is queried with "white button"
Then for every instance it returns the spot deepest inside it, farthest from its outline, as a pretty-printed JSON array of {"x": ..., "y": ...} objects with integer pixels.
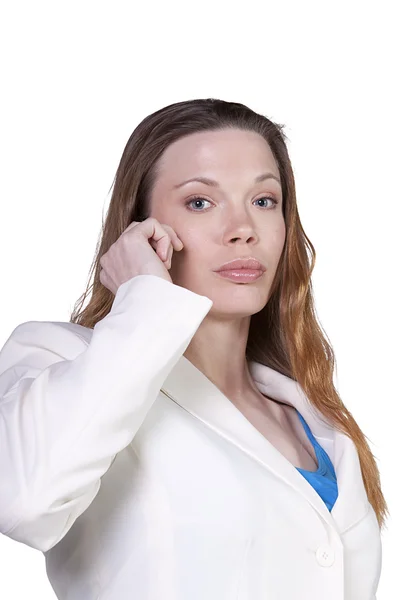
[{"x": 325, "y": 556}]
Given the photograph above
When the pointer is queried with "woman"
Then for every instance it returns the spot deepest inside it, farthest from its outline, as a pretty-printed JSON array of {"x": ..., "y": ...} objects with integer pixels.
[{"x": 181, "y": 437}]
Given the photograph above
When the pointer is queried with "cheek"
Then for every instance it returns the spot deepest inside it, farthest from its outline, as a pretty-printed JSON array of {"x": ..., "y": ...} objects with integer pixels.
[
  {"x": 198, "y": 254},
  {"x": 276, "y": 240},
  {"x": 194, "y": 239}
]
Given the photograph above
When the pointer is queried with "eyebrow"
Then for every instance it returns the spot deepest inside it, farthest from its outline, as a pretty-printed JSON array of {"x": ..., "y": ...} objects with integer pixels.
[{"x": 214, "y": 183}]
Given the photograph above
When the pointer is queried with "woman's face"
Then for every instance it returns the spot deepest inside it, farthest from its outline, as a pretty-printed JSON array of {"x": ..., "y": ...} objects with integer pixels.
[{"x": 236, "y": 218}]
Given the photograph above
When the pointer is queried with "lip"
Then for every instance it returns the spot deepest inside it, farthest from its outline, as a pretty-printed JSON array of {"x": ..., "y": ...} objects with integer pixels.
[
  {"x": 240, "y": 275},
  {"x": 247, "y": 262}
]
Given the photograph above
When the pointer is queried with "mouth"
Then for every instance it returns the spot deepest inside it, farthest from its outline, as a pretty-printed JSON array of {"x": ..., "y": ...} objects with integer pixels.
[
  {"x": 248, "y": 263},
  {"x": 240, "y": 275}
]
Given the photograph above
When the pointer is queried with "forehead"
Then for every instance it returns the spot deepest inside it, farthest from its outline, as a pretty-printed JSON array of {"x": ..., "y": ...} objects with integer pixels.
[{"x": 215, "y": 152}]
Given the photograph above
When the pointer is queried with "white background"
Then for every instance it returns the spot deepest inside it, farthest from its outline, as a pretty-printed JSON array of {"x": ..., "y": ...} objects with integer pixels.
[{"x": 78, "y": 77}]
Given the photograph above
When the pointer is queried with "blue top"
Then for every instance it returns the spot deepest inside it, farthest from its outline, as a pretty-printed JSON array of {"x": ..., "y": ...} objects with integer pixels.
[{"x": 324, "y": 479}]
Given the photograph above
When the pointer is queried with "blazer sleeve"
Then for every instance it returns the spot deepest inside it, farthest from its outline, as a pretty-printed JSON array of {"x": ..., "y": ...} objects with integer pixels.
[{"x": 71, "y": 398}]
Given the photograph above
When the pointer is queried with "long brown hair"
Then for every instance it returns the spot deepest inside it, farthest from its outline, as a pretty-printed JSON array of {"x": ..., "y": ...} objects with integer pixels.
[{"x": 285, "y": 334}]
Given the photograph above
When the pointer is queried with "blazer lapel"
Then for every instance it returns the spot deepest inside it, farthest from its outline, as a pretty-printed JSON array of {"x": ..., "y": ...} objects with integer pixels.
[{"x": 194, "y": 392}]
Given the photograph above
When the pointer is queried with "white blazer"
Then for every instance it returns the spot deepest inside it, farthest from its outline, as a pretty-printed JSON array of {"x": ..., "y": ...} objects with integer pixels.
[{"x": 138, "y": 479}]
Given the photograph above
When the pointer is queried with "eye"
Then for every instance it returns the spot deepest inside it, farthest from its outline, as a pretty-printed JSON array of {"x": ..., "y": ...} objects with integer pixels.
[{"x": 200, "y": 199}]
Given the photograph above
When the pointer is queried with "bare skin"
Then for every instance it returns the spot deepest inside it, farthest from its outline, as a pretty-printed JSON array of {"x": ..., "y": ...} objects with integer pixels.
[
  {"x": 236, "y": 219},
  {"x": 283, "y": 429}
]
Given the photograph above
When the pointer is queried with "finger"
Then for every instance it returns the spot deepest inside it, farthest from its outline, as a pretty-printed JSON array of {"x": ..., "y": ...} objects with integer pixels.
[
  {"x": 178, "y": 244},
  {"x": 132, "y": 225},
  {"x": 176, "y": 241},
  {"x": 166, "y": 246}
]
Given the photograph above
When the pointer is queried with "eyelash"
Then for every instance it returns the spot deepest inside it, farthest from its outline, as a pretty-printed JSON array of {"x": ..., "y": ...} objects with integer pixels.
[{"x": 201, "y": 198}]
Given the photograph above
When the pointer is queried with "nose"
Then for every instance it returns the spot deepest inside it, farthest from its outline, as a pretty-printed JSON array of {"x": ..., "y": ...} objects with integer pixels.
[{"x": 241, "y": 229}]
